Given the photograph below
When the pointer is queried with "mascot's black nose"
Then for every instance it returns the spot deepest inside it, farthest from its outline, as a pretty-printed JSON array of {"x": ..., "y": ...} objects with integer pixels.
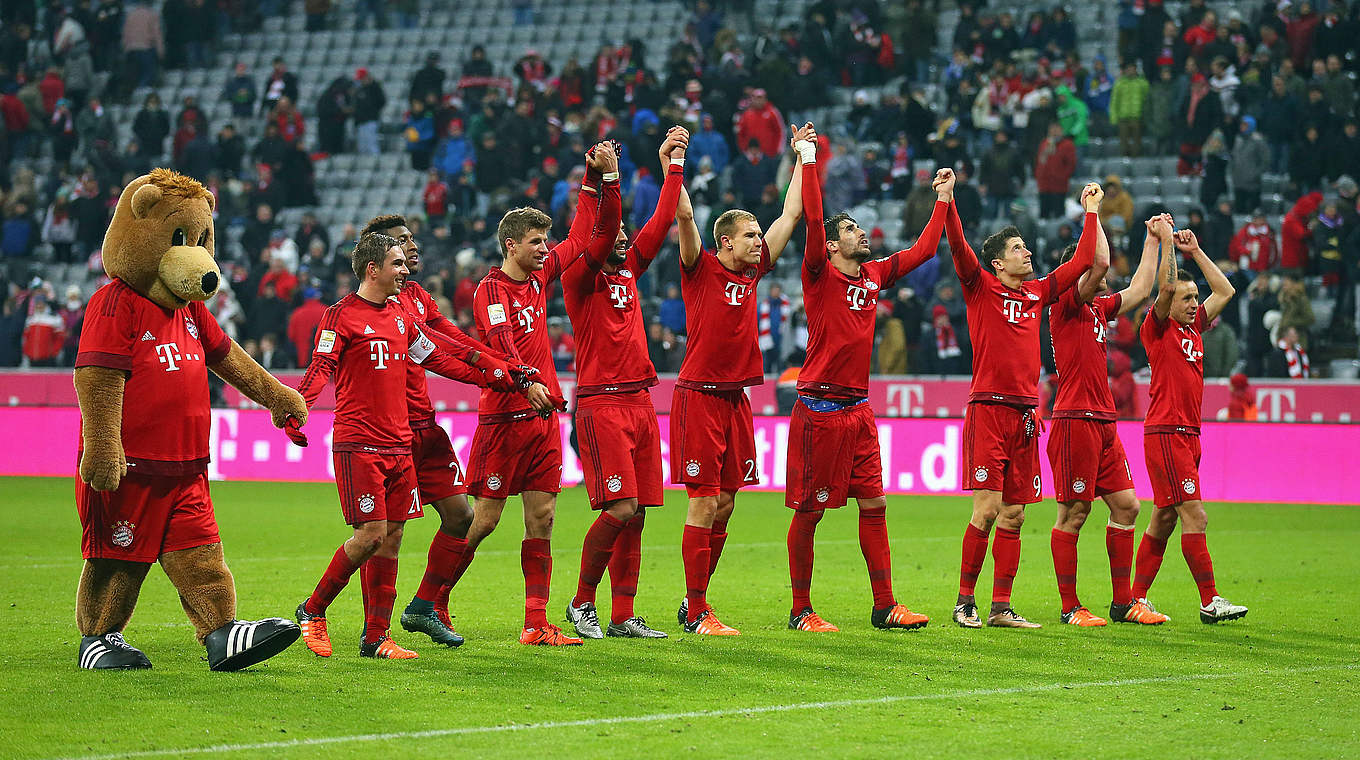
[{"x": 209, "y": 282}]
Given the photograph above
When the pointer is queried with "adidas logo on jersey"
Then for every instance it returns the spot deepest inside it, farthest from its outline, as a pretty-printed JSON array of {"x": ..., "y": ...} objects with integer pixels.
[
  {"x": 148, "y": 336},
  {"x": 368, "y": 330}
]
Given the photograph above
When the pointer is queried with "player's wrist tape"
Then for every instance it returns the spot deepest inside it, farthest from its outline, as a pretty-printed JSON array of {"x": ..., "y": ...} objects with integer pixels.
[
  {"x": 610, "y": 176},
  {"x": 807, "y": 151},
  {"x": 677, "y": 162}
]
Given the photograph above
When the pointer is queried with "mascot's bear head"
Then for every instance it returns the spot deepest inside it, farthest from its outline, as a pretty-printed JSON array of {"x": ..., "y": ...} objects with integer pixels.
[{"x": 161, "y": 239}]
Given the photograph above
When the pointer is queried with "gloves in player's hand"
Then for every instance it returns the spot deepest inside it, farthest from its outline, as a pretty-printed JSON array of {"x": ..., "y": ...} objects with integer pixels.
[
  {"x": 496, "y": 374},
  {"x": 523, "y": 375},
  {"x": 293, "y": 430}
]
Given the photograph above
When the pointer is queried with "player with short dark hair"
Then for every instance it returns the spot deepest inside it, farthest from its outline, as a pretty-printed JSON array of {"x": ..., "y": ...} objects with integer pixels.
[
  {"x": 365, "y": 341},
  {"x": 439, "y": 475},
  {"x": 616, "y": 425},
  {"x": 517, "y": 448},
  {"x": 1171, "y": 335},
  {"x": 713, "y": 450},
  {"x": 1084, "y": 449},
  {"x": 1001, "y": 427},
  {"x": 833, "y": 450}
]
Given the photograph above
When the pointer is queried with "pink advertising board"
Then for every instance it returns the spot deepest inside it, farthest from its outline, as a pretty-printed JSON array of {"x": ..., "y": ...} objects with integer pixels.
[{"x": 1247, "y": 462}]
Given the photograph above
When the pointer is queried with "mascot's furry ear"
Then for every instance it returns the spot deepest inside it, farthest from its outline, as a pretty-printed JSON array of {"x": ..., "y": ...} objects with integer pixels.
[{"x": 147, "y": 195}]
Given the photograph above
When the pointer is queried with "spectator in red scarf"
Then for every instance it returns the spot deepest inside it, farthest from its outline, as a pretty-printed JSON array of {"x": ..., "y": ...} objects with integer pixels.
[
  {"x": 289, "y": 121},
  {"x": 948, "y": 354},
  {"x": 1289, "y": 359},
  {"x": 1254, "y": 245}
]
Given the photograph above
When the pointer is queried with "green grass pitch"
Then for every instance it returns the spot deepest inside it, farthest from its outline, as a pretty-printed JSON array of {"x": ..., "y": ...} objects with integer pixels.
[{"x": 1282, "y": 682}]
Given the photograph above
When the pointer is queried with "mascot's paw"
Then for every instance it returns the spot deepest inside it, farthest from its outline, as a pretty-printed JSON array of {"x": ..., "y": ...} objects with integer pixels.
[
  {"x": 111, "y": 652},
  {"x": 103, "y": 470},
  {"x": 289, "y": 404},
  {"x": 242, "y": 643}
]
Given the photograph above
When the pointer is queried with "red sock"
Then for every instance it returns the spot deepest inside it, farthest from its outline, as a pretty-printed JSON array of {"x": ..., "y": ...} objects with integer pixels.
[
  {"x": 1064, "y": 546},
  {"x": 624, "y": 565},
  {"x": 974, "y": 552},
  {"x": 445, "y": 553},
  {"x": 695, "y": 553},
  {"x": 441, "y": 600},
  {"x": 378, "y": 577},
  {"x": 332, "y": 582},
  {"x": 802, "y": 529},
  {"x": 1005, "y": 561},
  {"x": 535, "y": 559},
  {"x": 716, "y": 540},
  {"x": 595, "y": 554},
  {"x": 1196, "y": 550},
  {"x": 873, "y": 543},
  {"x": 1119, "y": 545},
  {"x": 1149, "y": 561}
]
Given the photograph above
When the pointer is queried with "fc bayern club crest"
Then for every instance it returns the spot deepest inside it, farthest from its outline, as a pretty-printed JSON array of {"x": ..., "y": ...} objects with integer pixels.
[
  {"x": 1078, "y": 486},
  {"x": 692, "y": 469},
  {"x": 494, "y": 482},
  {"x": 191, "y": 327},
  {"x": 822, "y": 495},
  {"x": 614, "y": 483},
  {"x": 401, "y": 326},
  {"x": 1188, "y": 485},
  {"x": 366, "y": 503},
  {"x": 625, "y": 273},
  {"x": 980, "y": 475},
  {"x": 122, "y": 535}
]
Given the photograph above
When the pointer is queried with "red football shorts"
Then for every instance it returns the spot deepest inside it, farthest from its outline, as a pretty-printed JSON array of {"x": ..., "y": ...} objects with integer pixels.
[
  {"x": 512, "y": 457},
  {"x": 999, "y": 454},
  {"x": 1088, "y": 459},
  {"x": 376, "y": 487},
  {"x": 833, "y": 456},
  {"x": 620, "y": 448},
  {"x": 713, "y": 440},
  {"x": 145, "y": 517},
  {"x": 1173, "y": 467},
  {"x": 438, "y": 473}
]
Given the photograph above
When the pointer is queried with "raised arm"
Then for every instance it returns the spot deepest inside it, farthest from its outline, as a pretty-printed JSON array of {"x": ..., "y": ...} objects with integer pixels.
[
  {"x": 606, "y": 229},
  {"x": 1223, "y": 291},
  {"x": 965, "y": 261},
  {"x": 781, "y": 231},
  {"x": 650, "y": 238},
  {"x": 691, "y": 245},
  {"x": 587, "y": 210},
  {"x": 1067, "y": 273},
  {"x": 1089, "y": 284},
  {"x": 928, "y": 243},
  {"x": 814, "y": 253},
  {"x": 1167, "y": 276},
  {"x": 1140, "y": 285}
]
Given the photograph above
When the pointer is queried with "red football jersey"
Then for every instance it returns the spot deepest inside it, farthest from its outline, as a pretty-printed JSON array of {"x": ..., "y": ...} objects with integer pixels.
[
  {"x": 512, "y": 315},
  {"x": 367, "y": 346},
  {"x": 722, "y": 350},
  {"x": 611, "y": 345},
  {"x": 422, "y": 310},
  {"x": 1004, "y": 323},
  {"x": 1176, "y": 355},
  {"x": 841, "y": 310},
  {"x": 1078, "y": 332},
  {"x": 166, "y": 354}
]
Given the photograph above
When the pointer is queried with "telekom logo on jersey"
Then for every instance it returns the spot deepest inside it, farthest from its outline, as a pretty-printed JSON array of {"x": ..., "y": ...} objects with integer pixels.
[
  {"x": 735, "y": 293},
  {"x": 1014, "y": 311},
  {"x": 618, "y": 293},
  {"x": 377, "y": 351},
  {"x": 858, "y": 298},
  {"x": 169, "y": 354}
]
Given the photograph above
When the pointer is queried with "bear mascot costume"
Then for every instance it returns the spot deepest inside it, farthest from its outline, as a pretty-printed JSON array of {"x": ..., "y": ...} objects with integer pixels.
[{"x": 141, "y": 378}]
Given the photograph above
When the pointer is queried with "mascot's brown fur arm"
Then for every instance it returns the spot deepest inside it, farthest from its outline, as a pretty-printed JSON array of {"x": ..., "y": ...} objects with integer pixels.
[
  {"x": 99, "y": 391},
  {"x": 247, "y": 376}
]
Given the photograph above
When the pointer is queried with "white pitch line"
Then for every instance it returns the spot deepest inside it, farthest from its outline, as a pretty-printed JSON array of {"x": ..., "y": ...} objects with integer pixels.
[{"x": 661, "y": 717}]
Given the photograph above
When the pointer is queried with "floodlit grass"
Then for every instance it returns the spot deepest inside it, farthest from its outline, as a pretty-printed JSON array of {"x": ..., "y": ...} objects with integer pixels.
[{"x": 1282, "y": 682}]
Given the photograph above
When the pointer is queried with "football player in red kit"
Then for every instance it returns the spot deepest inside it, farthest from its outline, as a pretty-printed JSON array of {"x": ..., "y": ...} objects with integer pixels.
[
  {"x": 616, "y": 422},
  {"x": 1001, "y": 427},
  {"x": 365, "y": 341},
  {"x": 1083, "y": 448},
  {"x": 1171, "y": 335},
  {"x": 517, "y": 448},
  {"x": 713, "y": 449},
  {"x": 833, "y": 441},
  {"x": 439, "y": 475}
]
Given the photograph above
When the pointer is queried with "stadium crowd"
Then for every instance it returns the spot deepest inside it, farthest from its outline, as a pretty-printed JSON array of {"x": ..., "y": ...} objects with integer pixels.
[{"x": 1013, "y": 104}]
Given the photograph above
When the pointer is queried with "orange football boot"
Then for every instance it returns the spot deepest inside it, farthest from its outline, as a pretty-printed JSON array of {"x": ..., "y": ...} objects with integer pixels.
[
  {"x": 807, "y": 620},
  {"x": 547, "y": 636},
  {"x": 708, "y": 624},
  {"x": 898, "y": 616},
  {"x": 314, "y": 633},
  {"x": 1080, "y": 616}
]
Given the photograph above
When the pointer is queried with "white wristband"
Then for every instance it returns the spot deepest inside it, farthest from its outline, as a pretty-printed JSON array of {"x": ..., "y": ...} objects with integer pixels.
[
  {"x": 807, "y": 151},
  {"x": 677, "y": 162},
  {"x": 610, "y": 176}
]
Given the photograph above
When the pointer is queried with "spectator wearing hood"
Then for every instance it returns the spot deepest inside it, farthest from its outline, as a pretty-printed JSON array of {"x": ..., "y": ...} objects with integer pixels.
[
  {"x": 1127, "y": 98},
  {"x": 1073, "y": 115},
  {"x": 1250, "y": 155},
  {"x": 1241, "y": 402},
  {"x": 1295, "y": 235},
  {"x": 1159, "y": 113},
  {"x": 1117, "y": 202},
  {"x": 1254, "y": 245},
  {"x": 44, "y": 334}
]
